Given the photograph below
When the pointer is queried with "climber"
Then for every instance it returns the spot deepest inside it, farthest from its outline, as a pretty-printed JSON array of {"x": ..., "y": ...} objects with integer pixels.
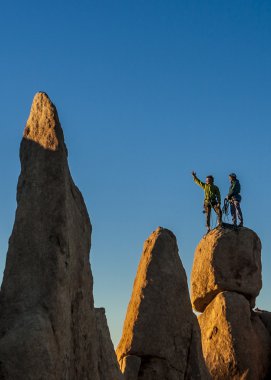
[
  {"x": 211, "y": 198},
  {"x": 234, "y": 198}
]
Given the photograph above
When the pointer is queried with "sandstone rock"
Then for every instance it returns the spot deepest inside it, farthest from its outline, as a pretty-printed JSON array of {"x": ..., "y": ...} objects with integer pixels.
[
  {"x": 235, "y": 342},
  {"x": 226, "y": 260},
  {"x": 47, "y": 318},
  {"x": 108, "y": 365},
  {"x": 160, "y": 338}
]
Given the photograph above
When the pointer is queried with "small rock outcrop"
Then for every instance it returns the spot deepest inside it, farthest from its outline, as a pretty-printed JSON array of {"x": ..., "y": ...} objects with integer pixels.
[
  {"x": 226, "y": 260},
  {"x": 108, "y": 365},
  {"x": 48, "y": 326},
  {"x": 234, "y": 340},
  {"x": 161, "y": 338},
  {"x": 226, "y": 278}
]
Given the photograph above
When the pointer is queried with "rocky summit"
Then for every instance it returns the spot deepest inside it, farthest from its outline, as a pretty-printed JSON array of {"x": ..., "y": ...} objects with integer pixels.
[
  {"x": 226, "y": 259},
  {"x": 161, "y": 338},
  {"x": 48, "y": 324}
]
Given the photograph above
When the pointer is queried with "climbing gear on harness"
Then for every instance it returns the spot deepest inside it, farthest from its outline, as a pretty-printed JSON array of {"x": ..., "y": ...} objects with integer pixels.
[{"x": 225, "y": 209}]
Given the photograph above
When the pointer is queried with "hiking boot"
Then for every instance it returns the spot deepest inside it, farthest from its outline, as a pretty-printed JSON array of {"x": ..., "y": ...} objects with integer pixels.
[
  {"x": 240, "y": 224},
  {"x": 208, "y": 230}
]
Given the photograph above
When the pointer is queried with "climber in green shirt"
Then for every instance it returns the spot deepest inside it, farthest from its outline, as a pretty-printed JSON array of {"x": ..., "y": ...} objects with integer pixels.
[{"x": 212, "y": 198}]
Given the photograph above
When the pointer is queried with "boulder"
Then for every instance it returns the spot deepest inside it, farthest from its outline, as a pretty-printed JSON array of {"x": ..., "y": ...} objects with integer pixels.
[
  {"x": 235, "y": 342},
  {"x": 161, "y": 338},
  {"x": 48, "y": 327},
  {"x": 226, "y": 260}
]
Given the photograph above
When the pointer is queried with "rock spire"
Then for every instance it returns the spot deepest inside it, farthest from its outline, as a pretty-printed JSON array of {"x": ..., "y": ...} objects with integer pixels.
[
  {"x": 48, "y": 325},
  {"x": 161, "y": 337}
]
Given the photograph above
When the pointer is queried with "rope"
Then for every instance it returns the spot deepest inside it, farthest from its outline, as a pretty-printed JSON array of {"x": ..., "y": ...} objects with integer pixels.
[{"x": 225, "y": 209}]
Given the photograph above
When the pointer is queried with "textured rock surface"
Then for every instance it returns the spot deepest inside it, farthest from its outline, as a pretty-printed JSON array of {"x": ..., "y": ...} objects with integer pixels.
[
  {"x": 265, "y": 317},
  {"x": 226, "y": 260},
  {"x": 130, "y": 366},
  {"x": 235, "y": 342},
  {"x": 47, "y": 318},
  {"x": 108, "y": 365},
  {"x": 161, "y": 339}
]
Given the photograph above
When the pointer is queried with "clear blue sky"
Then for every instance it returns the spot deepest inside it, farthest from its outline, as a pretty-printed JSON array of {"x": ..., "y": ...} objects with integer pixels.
[{"x": 146, "y": 91}]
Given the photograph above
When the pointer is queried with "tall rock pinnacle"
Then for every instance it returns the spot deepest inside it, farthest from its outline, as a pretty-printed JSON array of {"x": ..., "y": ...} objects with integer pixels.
[
  {"x": 48, "y": 326},
  {"x": 161, "y": 338}
]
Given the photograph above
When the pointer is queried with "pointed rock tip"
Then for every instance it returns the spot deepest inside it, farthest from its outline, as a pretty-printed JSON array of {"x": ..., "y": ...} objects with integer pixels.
[
  {"x": 43, "y": 122},
  {"x": 163, "y": 231},
  {"x": 160, "y": 233}
]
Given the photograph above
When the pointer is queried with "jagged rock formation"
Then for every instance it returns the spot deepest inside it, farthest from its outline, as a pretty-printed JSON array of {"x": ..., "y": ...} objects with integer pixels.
[
  {"x": 226, "y": 260},
  {"x": 48, "y": 327},
  {"x": 161, "y": 338},
  {"x": 226, "y": 278}
]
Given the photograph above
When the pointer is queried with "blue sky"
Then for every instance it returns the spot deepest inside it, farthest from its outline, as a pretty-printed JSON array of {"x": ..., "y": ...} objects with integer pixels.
[{"x": 146, "y": 91}]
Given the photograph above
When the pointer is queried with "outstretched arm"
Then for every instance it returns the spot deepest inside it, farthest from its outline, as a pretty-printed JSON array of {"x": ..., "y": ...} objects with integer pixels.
[{"x": 197, "y": 181}]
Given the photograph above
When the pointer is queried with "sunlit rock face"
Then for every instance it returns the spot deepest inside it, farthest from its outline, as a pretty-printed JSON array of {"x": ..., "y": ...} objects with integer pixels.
[
  {"x": 226, "y": 278},
  {"x": 236, "y": 344},
  {"x": 43, "y": 125},
  {"x": 224, "y": 260},
  {"x": 161, "y": 337},
  {"x": 48, "y": 326}
]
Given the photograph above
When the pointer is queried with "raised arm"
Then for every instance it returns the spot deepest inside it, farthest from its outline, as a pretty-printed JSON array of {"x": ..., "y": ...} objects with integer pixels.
[{"x": 198, "y": 181}]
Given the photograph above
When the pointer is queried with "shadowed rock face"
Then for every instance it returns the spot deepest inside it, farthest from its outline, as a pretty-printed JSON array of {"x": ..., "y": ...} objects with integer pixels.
[
  {"x": 47, "y": 318},
  {"x": 265, "y": 318},
  {"x": 235, "y": 342},
  {"x": 226, "y": 260},
  {"x": 108, "y": 365},
  {"x": 161, "y": 338}
]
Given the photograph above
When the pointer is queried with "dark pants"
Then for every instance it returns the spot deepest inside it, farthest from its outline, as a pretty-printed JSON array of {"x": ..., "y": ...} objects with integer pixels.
[
  {"x": 208, "y": 207},
  {"x": 236, "y": 211}
]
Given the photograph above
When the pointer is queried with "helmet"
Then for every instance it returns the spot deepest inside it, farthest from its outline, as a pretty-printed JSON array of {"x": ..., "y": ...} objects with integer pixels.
[{"x": 233, "y": 175}]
